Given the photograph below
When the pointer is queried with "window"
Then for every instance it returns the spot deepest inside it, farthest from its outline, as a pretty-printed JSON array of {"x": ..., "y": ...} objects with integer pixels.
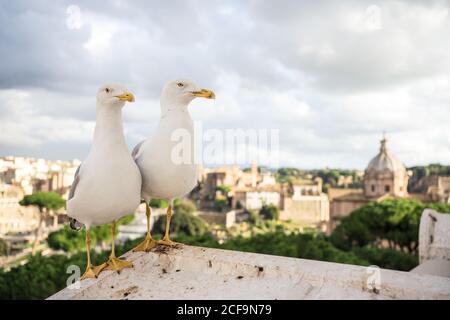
[
  {"x": 387, "y": 188},
  {"x": 372, "y": 187}
]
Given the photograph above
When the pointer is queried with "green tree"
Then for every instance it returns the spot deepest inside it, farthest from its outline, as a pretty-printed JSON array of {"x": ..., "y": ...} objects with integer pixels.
[
  {"x": 73, "y": 241},
  {"x": 47, "y": 203},
  {"x": 183, "y": 221},
  {"x": 126, "y": 219},
  {"x": 388, "y": 258},
  {"x": 288, "y": 174},
  {"x": 270, "y": 212},
  {"x": 224, "y": 189},
  {"x": 185, "y": 206},
  {"x": 68, "y": 240},
  {"x": 43, "y": 276},
  {"x": 307, "y": 246},
  {"x": 158, "y": 203},
  {"x": 394, "y": 222},
  {"x": 221, "y": 205},
  {"x": 254, "y": 217},
  {"x": 4, "y": 249}
]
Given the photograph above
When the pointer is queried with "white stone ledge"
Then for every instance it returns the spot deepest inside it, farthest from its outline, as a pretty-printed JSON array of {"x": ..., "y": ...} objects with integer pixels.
[{"x": 200, "y": 273}]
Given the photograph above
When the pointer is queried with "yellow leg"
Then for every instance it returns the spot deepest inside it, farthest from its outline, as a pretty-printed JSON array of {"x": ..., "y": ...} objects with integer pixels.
[
  {"x": 115, "y": 263},
  {"x": 91, "y": 271},
  {"x": 166, "y": 240},
  {"x": 148, "y": 243}
]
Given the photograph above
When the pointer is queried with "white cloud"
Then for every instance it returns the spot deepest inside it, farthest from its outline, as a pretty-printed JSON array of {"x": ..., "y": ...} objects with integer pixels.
[
  {"x": 100, "y": 39},
  {"x": 331, "y": 76},
  {"x": 23, "y": 125}
]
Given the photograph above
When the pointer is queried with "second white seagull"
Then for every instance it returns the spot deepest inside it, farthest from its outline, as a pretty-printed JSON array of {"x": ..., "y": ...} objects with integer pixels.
[{"x": 166, "y": 159}]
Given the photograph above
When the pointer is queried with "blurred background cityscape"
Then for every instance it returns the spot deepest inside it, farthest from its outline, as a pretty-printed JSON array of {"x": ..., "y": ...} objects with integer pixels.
[{"x": 362, "y": 217}]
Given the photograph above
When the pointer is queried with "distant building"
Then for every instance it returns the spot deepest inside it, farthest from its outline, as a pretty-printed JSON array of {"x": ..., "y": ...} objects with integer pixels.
[
  {"x": 385, "y": 174},
  {"x": 255, "y": 198},
  {"x": 384, "y": 177},
  {"x": 233, "y": 177},
  {"x": 301, "y": 201},
  {"x": 439, "y": 189},
  {"x": 344, "y": 201},
  {"x": 13, "y": 217},
  {"x": 305, "y": 203},
  {"x": 345, "y": 181},
  {"x": 214, "y": 178},
  {"x": 20, "y": 176},
  {"x": 33, "y": 175}
]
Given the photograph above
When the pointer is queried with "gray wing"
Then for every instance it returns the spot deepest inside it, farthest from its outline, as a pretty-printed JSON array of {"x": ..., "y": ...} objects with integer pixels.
[
  {"x": 73, "y": 187},
  {"x": 73, "y": 223},
  {"x": 136, "y": 149}
]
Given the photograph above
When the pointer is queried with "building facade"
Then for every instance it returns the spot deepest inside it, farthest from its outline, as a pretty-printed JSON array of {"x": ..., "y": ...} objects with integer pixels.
[
  {"x": 33, "y": 175},
  {"x": 301, "y": 201},
  {"x": 439, "y": 190},
  {"x": 20, "y": 176},
  {"x": 385, "y": 176},
  {"x": 13, "y": 217}
]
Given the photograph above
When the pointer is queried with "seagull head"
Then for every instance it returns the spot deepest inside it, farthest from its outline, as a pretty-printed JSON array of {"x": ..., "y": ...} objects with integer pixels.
[
  {"x": 182, "y": 92},
  {"x": 114, "y": 95}
]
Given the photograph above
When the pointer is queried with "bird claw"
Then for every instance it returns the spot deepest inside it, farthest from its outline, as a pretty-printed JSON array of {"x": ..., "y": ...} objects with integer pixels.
[
  {"x": 93, "y": 271},
  {"x": 167, "y": 242},
  {"x": 146, "y": 245},
  {"x": 115, "y": 264}
]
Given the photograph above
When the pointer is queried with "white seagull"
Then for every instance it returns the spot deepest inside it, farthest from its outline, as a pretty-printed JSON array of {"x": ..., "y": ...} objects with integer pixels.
[
  {"x": 166, "y": 163},
  {"x": 107, "y": 184}
]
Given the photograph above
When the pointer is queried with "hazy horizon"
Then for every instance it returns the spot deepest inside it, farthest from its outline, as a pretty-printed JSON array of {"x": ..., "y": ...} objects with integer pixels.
[{"x": 244, "y": 166}]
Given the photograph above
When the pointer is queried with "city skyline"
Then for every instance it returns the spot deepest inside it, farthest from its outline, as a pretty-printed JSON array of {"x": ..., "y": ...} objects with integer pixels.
[
  {"x": 331, "y": 77},
  {"x": 217, "y": 165}
]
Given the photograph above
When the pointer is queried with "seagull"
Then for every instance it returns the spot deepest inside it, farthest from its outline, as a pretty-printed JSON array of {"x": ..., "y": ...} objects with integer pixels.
[
  {"x": 107, "y": 184},
  {"x": 166, "y": 164}
]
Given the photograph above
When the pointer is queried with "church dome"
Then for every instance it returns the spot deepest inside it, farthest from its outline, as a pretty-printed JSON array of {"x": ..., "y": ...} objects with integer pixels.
[
  {"x": 385, "y": 161},
  {"x": 385, "y": 175}
]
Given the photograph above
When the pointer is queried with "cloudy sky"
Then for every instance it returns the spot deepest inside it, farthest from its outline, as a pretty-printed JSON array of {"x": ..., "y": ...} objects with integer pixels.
[{"x": 331, "y": 76}]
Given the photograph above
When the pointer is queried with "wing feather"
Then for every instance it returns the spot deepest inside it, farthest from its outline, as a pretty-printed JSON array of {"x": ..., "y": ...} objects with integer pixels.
[
  {"x": 73, "y": 187},
  {"x": 136, "y": 149}
]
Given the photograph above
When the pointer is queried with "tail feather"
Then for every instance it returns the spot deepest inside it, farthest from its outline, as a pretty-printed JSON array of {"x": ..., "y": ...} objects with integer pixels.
[{"x": 75, "y": 224}]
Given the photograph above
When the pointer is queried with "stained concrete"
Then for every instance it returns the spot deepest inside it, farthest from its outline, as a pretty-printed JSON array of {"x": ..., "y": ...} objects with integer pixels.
[{"x": 188, "y": 272}]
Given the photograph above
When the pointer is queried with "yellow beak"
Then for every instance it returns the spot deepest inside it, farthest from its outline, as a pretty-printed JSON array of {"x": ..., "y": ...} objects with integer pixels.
[
  {"x": 127, "y": 96},
  {"x": 203, "y": 93}
]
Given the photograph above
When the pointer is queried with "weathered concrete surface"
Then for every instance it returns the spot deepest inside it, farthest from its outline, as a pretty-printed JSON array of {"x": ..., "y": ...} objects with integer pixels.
[
  {"x": 434, "y": 236},
  {"x": 198, "y": 273},
  {"x": 437, "y": 267},
  {"x": 434, "y": 244}
]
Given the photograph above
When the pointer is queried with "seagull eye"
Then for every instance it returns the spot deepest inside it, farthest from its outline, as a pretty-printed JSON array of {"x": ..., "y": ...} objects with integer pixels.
[
  {"x": 107, "y": 90},
  {"x": 180, "y": 85}
]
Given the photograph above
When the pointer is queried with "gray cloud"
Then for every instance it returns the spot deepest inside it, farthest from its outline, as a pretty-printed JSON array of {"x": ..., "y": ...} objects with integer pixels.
[{"x": 330, "y": 75}]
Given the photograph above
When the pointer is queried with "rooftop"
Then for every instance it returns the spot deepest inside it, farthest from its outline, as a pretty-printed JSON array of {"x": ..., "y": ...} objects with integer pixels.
[{"x": 385, "y": 161}]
